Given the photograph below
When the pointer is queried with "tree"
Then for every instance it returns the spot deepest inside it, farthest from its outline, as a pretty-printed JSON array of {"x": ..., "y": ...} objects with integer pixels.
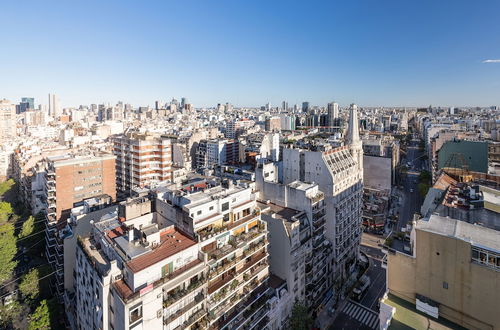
[
  {"x": 28, "y": 227},
  {"x": 9, "y": 313},
  {"x": 8, "y": 251},
  {"x": 5, "y": 186},
  {"x": 29, "y": 285},
  {"x": 40, "y": 319},
  {"x": 300, "y": 319},
  {"x": 5, "y": 212}
]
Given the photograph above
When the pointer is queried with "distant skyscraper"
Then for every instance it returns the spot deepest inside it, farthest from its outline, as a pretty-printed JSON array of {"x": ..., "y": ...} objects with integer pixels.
[
  {"x": 333, "y": 113},
  {"x": 158, "y": 105},
  {"x": 30, "y": 101},
  {"x": 184, "y": 101},
  {"x": 284, "y": 106},
  {"x": 54, "y": 106},
  {"x": 305, "y": 106}
]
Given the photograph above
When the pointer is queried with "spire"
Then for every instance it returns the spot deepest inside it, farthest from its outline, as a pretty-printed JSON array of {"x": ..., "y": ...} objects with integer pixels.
[{"x": 353, "y": 129}]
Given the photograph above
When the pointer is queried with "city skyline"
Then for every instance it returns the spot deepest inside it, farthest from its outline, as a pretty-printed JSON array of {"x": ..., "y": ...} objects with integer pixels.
[{"x": 383, "y": 54}]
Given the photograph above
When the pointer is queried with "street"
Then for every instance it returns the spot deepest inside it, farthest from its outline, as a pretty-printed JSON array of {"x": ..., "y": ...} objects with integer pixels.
[
  {"x": 364, "y": 314},
  {"x": 411, "y": 196}
]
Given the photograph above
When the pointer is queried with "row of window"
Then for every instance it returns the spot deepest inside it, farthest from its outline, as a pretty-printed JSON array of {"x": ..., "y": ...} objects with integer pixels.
[{"x": 486, "y": 257}]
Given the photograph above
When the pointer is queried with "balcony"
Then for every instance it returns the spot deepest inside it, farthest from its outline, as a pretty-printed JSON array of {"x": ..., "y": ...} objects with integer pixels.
[
  {"x": 207, "y": 233},
  {"x": 231, "y": 277},
  {"x": 181, "y": 311},
  {"x": 227, "y": 265},
  {"x": 196, "y": 317},
  {"x": 239, "y": 302},
  {"x": 179, "y": 294},
  {"x": 258, "y": 290},
  {"x": 128, "y": 295}
]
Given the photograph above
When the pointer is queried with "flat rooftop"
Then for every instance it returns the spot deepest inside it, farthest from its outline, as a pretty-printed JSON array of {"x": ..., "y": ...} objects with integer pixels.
[
  {"x": 408, "y": 317},
  {"x": 477, "y": 235}
]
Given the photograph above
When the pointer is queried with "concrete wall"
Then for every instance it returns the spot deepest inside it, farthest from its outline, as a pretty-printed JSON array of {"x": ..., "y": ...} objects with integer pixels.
[{"x": 471, "y": 299}]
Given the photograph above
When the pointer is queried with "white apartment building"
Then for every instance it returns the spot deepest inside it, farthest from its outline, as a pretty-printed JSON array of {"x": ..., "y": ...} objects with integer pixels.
[
  {"x": 339, "y": 175},
  {"x": 7, "y": 120},
  {"x": 299, "y": 250},
  {"x": 227, "y": 223},
  {"x": 139, "y": 273}
]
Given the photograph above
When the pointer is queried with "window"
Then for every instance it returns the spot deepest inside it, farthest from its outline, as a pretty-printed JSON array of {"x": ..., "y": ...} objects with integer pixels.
[
  {"x": 225, "y": 206},
  {"x": 445, "y": 285},
  {"x": 211, "y": 208},
  {"x": 135, "y": 313},
  {"x": 199, "y": 212}
]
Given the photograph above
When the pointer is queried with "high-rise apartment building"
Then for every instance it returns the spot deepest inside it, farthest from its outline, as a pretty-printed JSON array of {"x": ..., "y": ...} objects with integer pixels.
[
  {"x": 54, "y": 106},
  {"x": 141, "y": 160},
  {"x": 7, "y": 120},
  {"x": 333, "y": 113},
  {"x": 139, "y": 272},
  {"x": 300, "y": 253},
  {"x": 215, "y": 152},
  {"x": 339, "y": 174},
  {"x": 227, "y": 223},
  {"x": 68, "y": 181},
  {"x": 198, "y": 261}
]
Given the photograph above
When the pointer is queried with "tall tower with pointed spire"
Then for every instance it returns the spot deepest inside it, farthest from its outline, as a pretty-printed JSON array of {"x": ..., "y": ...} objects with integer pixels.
[{"x": 353, "y": 140}]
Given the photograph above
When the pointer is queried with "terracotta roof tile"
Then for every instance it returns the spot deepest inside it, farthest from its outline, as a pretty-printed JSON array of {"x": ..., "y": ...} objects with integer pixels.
[{"x": 171, "y": 243}]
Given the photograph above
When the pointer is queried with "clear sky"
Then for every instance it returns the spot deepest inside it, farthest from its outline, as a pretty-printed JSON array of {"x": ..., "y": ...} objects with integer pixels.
[{"x": 372, "y": 52}]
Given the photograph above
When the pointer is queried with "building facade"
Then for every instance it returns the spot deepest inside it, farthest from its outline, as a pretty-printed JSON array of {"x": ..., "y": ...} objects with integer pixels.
[
  {"x": 67, "y": 182},
  {"x": 141, "y": 160}
]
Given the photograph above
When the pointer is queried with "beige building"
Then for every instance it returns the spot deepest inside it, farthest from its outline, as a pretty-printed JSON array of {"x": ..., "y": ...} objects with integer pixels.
[
  {"x": 141, "y": 160},
  {"x": 453, "y": 272}
]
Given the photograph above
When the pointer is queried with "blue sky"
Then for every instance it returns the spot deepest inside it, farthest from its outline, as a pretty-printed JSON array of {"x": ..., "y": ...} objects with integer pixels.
[{"x": 401, "y": 52}]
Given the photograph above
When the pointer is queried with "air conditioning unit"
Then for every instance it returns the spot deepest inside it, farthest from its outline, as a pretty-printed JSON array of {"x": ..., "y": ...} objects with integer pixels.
[{"x": 118, "y": 277}]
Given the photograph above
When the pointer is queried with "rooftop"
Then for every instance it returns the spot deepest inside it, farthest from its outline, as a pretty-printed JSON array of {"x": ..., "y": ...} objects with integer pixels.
[
  {"x": 172, "y": 242},
  {"x": 407, "y": 317},
  {"x": 474, "y": 234}
]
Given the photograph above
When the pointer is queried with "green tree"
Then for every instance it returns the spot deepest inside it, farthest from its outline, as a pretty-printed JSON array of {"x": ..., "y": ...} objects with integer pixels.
[
  {"x": 9, "y": 313},
  {"x": 8, "y": 250},
  {"x": 28, "y": 227},
  {"x": 29, "y": 285},
  {"x": 40, "y": 319},
  {"x": 5, "y": 212},
  {"x": 300, "y": 318},
  {"x": 5, "y": 186}
]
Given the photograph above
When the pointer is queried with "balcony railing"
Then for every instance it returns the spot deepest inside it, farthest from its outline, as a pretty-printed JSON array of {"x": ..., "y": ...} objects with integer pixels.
[
  {"x": 196, "y": 317},
  {"x": 227, "y": 265},
  {"x": 205, "y": 234},
  {"x": 129, "y": 296},
  {"x": 174, "y": 316},
  {"x": 179, "y": 294}
]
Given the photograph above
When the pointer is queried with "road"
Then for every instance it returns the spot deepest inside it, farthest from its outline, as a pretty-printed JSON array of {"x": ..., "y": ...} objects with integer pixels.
[
  {"x": 411, "y": 196},
  {"x": 364, "y": 314}
]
